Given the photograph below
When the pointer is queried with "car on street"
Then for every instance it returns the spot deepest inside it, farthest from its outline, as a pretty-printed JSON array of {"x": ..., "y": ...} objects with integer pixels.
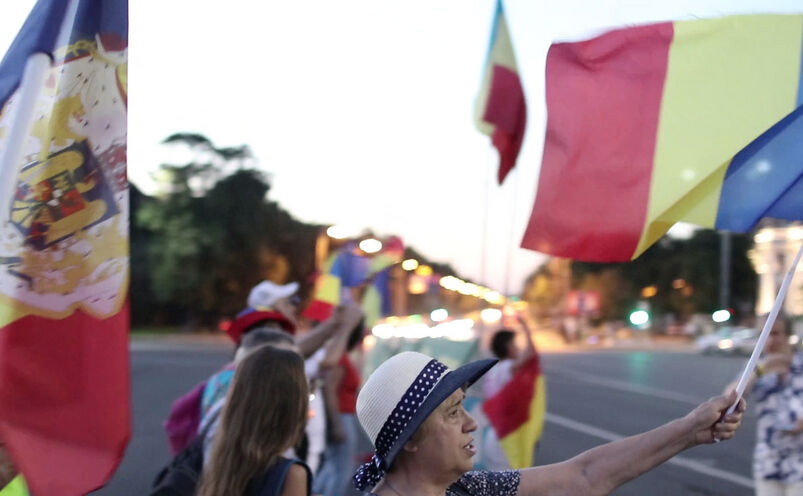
[
  {"x": 734, "y": 340},
  {"x": 725, "y": 340}
]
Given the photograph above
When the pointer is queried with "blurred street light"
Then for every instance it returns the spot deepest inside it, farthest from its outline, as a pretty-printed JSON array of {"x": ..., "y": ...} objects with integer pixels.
[
  {"x": 639, "y": 318},
  {"x": 424, "y": 270},
  {"x": 370, "y": 245},
  {"x": 721, "y": 316},
  {"x": 439, "y": 315},
  {"x": 410, "y": 264},
  {"x": 491, "y": 315},
  {"x": 338, "y": 232}
]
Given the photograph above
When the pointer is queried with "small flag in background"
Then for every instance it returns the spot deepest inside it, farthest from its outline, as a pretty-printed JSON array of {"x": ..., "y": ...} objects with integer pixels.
[
  {"x": 500, "y": 109},
  {"x": 64, "y": 265},
  {"x": 342, "y": 271},
  {"x": 694, "y": 121},
  {"x": 517, "y": 413}
]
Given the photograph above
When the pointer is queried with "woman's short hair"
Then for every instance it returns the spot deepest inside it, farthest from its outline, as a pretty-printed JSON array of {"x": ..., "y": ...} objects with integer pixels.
[
  {"x": 501, "y": 342},
  {"x": 256, "y": 427}
]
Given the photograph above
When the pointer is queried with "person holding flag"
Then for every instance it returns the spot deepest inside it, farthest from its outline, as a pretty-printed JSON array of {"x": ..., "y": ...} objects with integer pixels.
[
  {"x": 515, "y": 402},
  {"x": 412, "y": 409}
]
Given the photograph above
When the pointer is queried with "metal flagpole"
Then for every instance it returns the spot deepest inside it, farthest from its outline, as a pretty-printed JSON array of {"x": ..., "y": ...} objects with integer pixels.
[
  {"x": 751, "y": 364},
  {"x": 486, "y": 208},
  {"x": 512, "y": 231},
  {"x": 33, "y": 79}
]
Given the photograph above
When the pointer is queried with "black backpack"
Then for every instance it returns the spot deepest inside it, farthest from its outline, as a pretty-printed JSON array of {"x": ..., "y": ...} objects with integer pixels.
[{"x": 181, "y": 476}]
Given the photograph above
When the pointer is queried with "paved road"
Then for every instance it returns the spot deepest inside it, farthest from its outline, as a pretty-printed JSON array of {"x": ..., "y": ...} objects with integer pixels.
[
  {"x": 159, "y": 374},
  {"x": 593, "y": 398},
  {"x": 598, "y": 397}
]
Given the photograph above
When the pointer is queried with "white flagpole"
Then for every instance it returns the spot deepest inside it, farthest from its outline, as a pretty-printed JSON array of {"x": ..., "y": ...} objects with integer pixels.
[
  {"x": 751, "y": 364},
  {"x": 33, "y": 78}
]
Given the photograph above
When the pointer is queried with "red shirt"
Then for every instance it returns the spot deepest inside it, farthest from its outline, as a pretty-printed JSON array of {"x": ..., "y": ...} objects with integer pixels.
[{"x": 349, "y": 386}]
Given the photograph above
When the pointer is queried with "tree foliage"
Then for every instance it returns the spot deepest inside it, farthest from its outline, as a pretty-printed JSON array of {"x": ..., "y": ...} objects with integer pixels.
[
  {"x": 684, "y": 273},
  {"x": 212, "y": 236}
]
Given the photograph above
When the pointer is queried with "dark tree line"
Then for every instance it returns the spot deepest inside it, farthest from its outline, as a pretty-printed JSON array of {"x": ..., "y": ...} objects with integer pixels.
[
  {"x": 683, "y": 276},
  {"x": 199, "y": 247}
]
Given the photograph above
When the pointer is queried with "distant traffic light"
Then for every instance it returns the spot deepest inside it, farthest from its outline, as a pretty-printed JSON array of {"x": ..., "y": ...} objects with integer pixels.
[
  {"x": 721, "y": 316},
  {"x": 639, "y": 318}
]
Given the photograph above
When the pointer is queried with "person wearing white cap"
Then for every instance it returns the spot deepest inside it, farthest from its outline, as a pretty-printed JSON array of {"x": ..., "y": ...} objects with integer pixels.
[{"x": 411, "y": 408}]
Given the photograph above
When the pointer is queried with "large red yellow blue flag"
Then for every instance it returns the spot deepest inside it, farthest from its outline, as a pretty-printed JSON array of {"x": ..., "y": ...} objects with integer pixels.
[
  {"x": 64, "y": 264},
  {"x": 695, "y": 121},
  {"x": 517, "y": 413},
  {"x": 500, "y": 109}
]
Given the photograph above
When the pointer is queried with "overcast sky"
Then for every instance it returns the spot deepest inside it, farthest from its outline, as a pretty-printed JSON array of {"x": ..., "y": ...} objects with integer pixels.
[{"x": 361, "y": 111}]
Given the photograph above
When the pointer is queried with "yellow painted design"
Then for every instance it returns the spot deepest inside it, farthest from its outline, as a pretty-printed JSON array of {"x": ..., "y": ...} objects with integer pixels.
[
  {"x": 728, "y": 80},
  {"x": 501, "y": 53},
  {"x": 56, "y": 174},
  {"x": 122, "y": 78},
  {"x": 56, "y": 129},
  {"x": 519, "y": 444}
]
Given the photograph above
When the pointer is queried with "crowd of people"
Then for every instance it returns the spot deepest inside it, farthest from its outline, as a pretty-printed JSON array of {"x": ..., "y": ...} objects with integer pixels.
[
  {"x": 259, "y": 425},
  {"x": 284, "y": 418}
]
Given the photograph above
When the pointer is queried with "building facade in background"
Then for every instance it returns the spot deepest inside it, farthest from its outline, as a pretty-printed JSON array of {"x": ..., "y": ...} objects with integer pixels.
[{"x": 775, "y": 248}]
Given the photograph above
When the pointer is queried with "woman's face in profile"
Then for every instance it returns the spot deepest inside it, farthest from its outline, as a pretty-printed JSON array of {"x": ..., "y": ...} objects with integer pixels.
[
  {"x": 448, "y": 442},
  {"x": 778, "y": 340}
]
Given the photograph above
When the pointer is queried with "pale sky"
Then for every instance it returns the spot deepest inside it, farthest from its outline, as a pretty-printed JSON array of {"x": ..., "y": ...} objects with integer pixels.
[{"x": 361, "y": 111}]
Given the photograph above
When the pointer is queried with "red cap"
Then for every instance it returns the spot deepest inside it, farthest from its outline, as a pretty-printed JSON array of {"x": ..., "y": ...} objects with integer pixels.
[{"x": 245, "y": 321}]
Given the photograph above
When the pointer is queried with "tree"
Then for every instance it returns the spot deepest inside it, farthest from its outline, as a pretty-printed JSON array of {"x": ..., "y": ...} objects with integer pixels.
[
  {"x": 213, "y": 234},
  {"x": 684, "y": 275}
]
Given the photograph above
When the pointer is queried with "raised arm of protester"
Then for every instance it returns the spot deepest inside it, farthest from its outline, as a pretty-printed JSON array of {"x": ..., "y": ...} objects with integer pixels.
[
  {"x": 600, "y": 470},
  {"x": 338, "y": 326},
  {"x": 412, "y": 409}
]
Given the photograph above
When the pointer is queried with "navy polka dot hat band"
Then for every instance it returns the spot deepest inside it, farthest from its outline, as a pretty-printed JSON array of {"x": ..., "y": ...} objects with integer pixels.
[{"x": 398, "y": 397}]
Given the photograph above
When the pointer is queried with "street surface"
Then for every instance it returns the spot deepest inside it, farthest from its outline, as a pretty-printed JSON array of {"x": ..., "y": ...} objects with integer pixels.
[{"x": 592, "y": 397}]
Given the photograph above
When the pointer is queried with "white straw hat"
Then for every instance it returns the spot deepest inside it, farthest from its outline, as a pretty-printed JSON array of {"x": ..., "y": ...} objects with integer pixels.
[{"x": 398, "y": 397}]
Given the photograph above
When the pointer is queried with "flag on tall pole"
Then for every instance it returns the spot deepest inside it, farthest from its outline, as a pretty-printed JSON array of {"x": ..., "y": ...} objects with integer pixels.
[
  {"x": 695, "y": 121},
  {"x": 64, "y": 263},
  {"x": 500, "y": 109}
]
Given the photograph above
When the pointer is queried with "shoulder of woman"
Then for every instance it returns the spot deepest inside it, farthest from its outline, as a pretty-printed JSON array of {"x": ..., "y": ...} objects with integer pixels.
[{"x": 296, "y": 483}]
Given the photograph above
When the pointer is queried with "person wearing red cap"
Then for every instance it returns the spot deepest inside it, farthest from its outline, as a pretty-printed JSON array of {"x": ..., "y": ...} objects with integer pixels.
[{"x": 272, "y": 306}]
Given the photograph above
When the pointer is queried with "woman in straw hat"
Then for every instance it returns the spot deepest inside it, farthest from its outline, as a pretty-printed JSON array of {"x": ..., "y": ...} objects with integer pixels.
[{"x": 411, "y": 407}]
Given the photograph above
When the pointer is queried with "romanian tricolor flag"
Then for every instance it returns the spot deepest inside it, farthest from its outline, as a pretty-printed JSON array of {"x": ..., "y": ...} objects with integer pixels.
[
  {"x": 500, "y": 109},
  {"x": 695, "y": 121},
  {"x": 342, "y": 271},
  {"x": 517, "y": 413},
  {"x": 64, "y": 263},
  {"x": 326, "y": 294},
  {"x": 376, "y": 300}
]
